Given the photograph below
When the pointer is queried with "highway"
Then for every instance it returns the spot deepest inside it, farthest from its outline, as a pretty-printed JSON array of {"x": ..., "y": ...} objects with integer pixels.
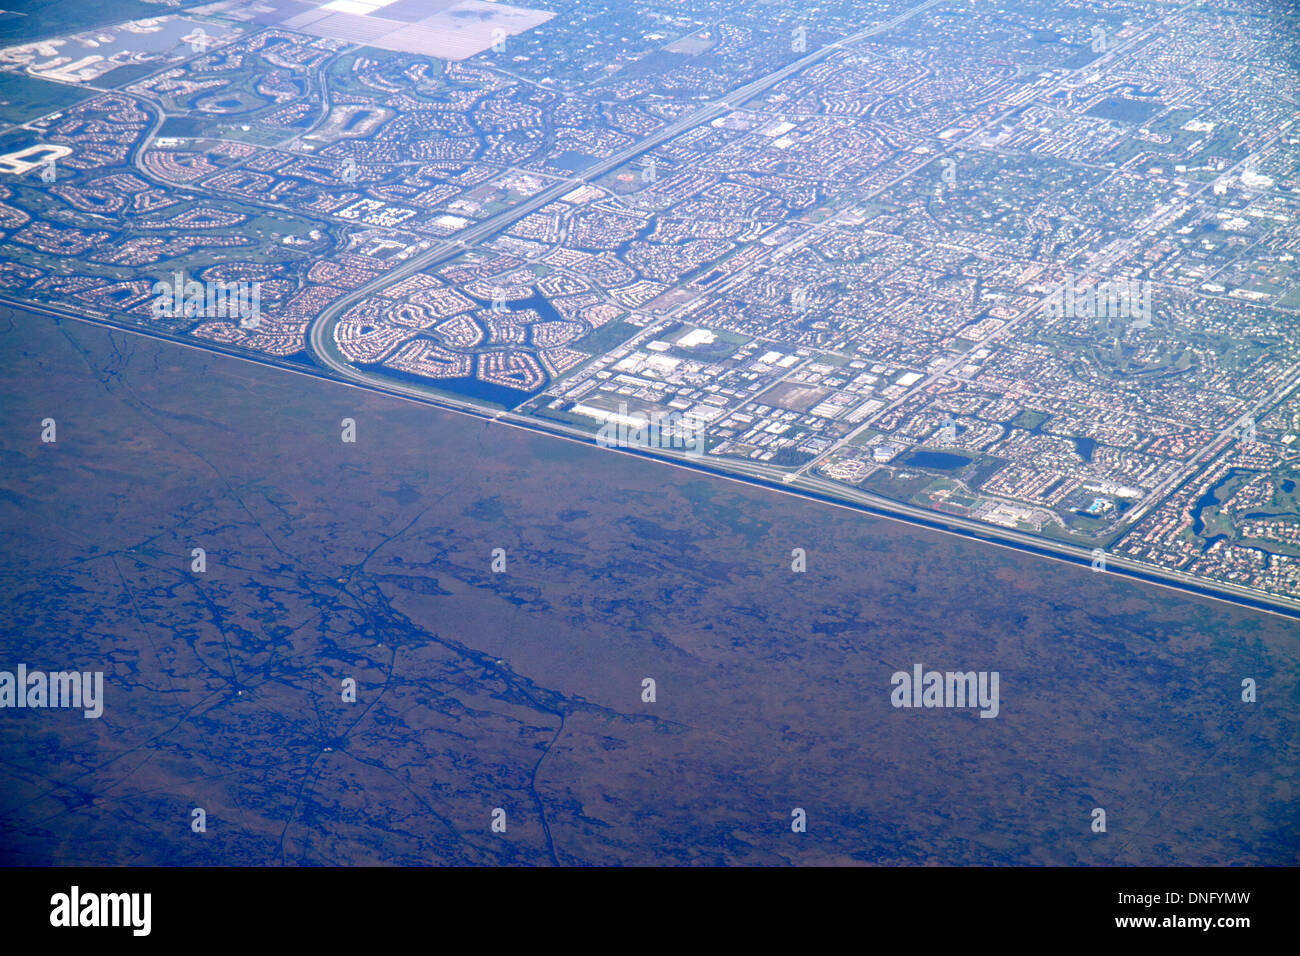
[
  {"x": 760, "y": 475},
  {"x": 801, "y": 483},
  {"x": 321, "y": 330}
]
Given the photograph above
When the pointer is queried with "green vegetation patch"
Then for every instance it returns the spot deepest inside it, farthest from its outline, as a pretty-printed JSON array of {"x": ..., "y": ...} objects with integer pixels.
[
  {"x": 605, "y": 338},
  {"x": 43, "y": 19},
  {"x": 1030, "y": 418},
  {"x": 25, "y": 98},
  {"x": 1121, "y": 110}
]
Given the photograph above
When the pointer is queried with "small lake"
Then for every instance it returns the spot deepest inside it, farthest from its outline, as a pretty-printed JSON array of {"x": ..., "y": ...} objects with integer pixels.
[{"x": 937, "y": 460}]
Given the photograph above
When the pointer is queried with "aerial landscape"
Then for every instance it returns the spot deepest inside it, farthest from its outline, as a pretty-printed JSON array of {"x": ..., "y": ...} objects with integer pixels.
[{"x": 575, "y": 432}]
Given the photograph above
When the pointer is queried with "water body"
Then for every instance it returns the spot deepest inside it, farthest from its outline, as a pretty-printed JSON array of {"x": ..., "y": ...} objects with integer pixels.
[
  {"x": 473, "y": 387},
  {"x": 937, "y": 460},
  {"x": 1213, "y": 540},
  {"x": 470, "y": 387},
  {"x": 572, "y": 162},
  {"x": 522, "y": 689},
  {"x": 643, "y": 233},
  {"x": 1085, "y": 446},
  {"x": 1211, "y": 498}
]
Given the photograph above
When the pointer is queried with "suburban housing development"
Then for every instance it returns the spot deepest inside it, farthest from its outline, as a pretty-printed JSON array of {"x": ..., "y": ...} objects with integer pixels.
[{"x": 1026, "y": 270}]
